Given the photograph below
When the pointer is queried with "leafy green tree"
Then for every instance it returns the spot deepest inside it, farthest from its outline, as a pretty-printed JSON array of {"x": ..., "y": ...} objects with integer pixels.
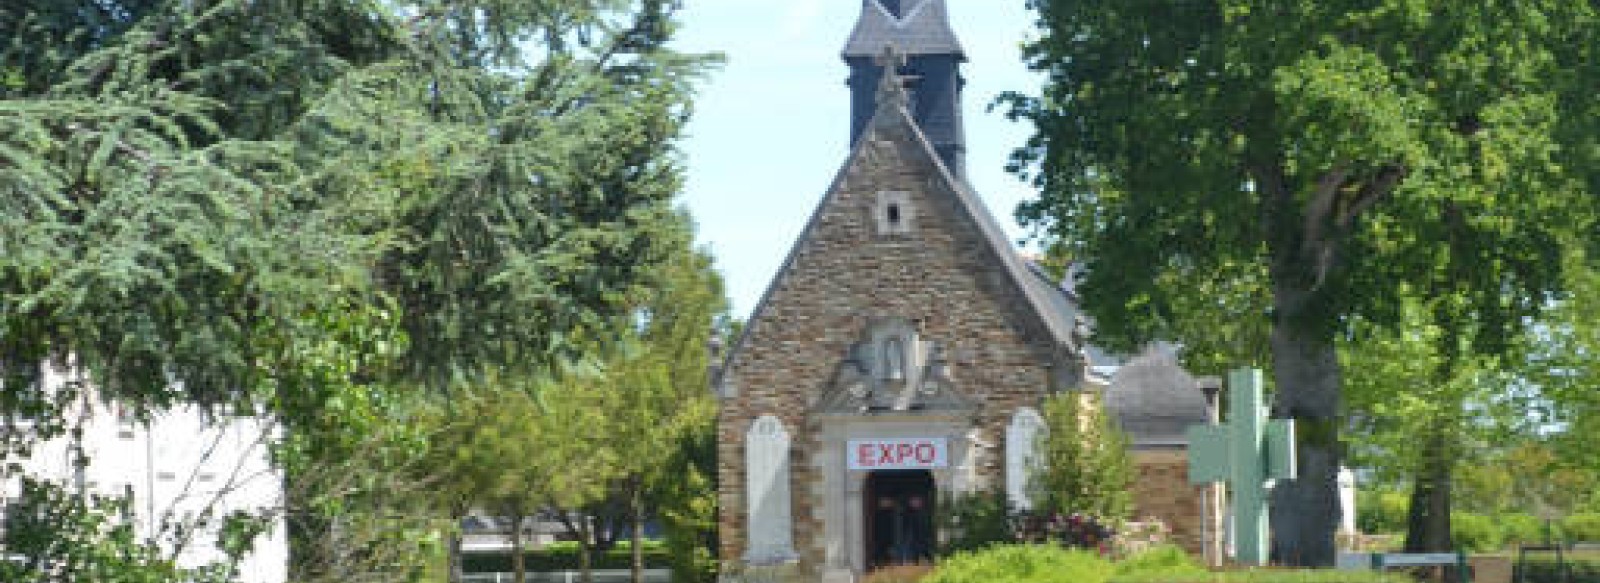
[
  {"x": 1328, "y": 153},
  {"x": 1084, "y": 465},
  {"x": 1423, "y": 407},
  {"x": 665, "y": 405},
  {"x": 494, "y": 452}
]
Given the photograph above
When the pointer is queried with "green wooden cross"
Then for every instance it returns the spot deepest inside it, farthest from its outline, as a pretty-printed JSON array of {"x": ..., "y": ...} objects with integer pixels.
[{"x": 1247, "y": 451}]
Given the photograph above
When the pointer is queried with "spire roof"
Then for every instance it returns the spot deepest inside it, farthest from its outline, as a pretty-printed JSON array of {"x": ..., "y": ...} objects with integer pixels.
[{"x": 923, "y": 28}]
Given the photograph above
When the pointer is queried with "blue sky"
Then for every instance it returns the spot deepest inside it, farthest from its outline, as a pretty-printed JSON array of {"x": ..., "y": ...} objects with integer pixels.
[{"x": 771, "y": 128}]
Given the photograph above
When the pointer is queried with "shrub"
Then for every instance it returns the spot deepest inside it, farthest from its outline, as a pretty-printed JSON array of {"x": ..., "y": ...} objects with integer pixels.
[
  {"x": 1474, "y": 532},
  {"x": 1022, "y": 564},
  {"x": 1381, "y": 511},
  {"x": 1545, "y": 569},
  {"x": 1520, "y": 529},
  {"x": 983, "y": 519},
  {"x": 563, "y": 557},
  {"x": 975, "y": 521},
  {"x": 1084, "y": 462},
  {"x": 1075, "y": 531},
  {"x": 1581, "y": 527}
]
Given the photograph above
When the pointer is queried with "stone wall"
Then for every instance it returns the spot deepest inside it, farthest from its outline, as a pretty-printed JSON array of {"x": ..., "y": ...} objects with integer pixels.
[{"x": 1161, "y": 490}]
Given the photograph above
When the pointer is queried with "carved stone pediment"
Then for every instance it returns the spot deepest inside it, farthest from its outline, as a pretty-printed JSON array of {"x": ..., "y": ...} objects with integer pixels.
[{"x": 873, "y": 376}]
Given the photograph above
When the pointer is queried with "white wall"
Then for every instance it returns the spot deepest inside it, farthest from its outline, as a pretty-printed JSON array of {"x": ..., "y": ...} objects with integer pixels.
[{"x": 177, "y": 467}]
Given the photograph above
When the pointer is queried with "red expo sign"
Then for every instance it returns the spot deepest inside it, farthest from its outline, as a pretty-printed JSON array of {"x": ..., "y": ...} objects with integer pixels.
[{"x": 898, "y": 454}]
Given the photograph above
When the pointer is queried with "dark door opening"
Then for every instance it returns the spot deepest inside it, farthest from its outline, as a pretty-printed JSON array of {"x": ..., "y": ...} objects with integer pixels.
[{"x": 899, "y": 517}]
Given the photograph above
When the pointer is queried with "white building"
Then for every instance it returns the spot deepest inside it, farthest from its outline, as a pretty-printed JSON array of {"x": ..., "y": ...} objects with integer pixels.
[{"x": 181, "y": 468}]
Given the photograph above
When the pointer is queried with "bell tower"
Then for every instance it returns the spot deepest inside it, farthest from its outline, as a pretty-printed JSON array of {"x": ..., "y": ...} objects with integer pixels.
[{"x": 919, "y": 30}]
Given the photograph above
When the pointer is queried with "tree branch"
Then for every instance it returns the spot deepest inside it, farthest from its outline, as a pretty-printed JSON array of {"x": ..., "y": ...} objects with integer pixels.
[{"x": 1375, "y": 191}]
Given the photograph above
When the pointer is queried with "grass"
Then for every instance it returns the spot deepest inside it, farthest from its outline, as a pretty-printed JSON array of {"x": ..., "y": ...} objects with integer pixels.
[{"x": 1267, "y": 576}]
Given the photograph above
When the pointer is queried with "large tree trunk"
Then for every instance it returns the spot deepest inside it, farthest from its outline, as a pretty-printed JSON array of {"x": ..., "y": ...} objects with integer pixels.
[{"x": 1305, "y": 511}]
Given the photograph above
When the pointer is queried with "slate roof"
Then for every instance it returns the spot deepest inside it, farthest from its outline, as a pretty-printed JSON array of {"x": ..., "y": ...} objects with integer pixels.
[
  {"x": 1155, "y": 400},
  {"x": 924, "y": 30}
]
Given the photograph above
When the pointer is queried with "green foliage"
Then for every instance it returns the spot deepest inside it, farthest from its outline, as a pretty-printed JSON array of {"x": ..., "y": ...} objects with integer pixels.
[
  {"x": 330, "y": 212},
  {"x": 686, "y": 505},
  {"x": 1521, "y": 529},
  {"x": 1262, "y": 116},
  {"x": 1084, "y": 465},
  {"x": 564, "y": 557},
  {"x": 1158, "y": 561},
  {"x": 1581, "y": 527},
  {"x": 1475, "y": 533},
  {"x": 1564, "y": 361},
  {"x": 171, "y": 212},
  {"x": 1545, "y": 569},
  {"x": 1270, "y": 576},
  {"x": 1381, "y": 511},
  {"x": 1023, "y": 564},
  {"x": 55, "y": 536},
  {"x": 974, "y": 521},
  {"x": 1316, "y": 164}
]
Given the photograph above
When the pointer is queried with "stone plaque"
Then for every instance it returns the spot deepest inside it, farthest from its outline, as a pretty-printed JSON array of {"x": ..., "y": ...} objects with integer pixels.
[
  {"x": 1022, "y": 439},
  {"x": 771, "y": 528}
]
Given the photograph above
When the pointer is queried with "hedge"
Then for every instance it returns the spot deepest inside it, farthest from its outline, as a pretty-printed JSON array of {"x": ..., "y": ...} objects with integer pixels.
[
  {"x": 1581, "y": 527},
  {"x": 1545, "y": 569},
  {"x": 1521, "y": 529},
  {"x": 564, "y": 557}
]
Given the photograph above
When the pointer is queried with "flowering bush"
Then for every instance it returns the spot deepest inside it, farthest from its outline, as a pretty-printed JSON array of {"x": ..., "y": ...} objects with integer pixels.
[
  {"x": 984, "y": 519},
  {"x": 1075, "y": 531}
]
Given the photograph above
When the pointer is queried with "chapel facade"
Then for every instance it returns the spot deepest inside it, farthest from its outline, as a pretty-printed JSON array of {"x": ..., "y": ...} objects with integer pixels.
[{"x": 901, "y": 353}]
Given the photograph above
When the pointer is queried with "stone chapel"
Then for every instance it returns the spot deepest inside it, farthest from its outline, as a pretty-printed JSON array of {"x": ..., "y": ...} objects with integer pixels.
[{"x": 901, "y": 352}]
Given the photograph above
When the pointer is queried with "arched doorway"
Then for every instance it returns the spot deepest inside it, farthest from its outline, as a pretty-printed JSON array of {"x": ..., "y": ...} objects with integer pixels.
[{"x": 899, "y": 511}]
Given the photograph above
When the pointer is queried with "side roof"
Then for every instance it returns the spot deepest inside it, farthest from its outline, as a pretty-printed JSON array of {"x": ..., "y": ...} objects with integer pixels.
[
  {"x": 1049, "y": 303},
  {"x": 924, "y": 30}
]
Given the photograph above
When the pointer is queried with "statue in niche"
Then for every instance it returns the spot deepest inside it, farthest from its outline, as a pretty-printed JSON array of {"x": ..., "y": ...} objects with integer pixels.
[{"x": 894, "y": 359}]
